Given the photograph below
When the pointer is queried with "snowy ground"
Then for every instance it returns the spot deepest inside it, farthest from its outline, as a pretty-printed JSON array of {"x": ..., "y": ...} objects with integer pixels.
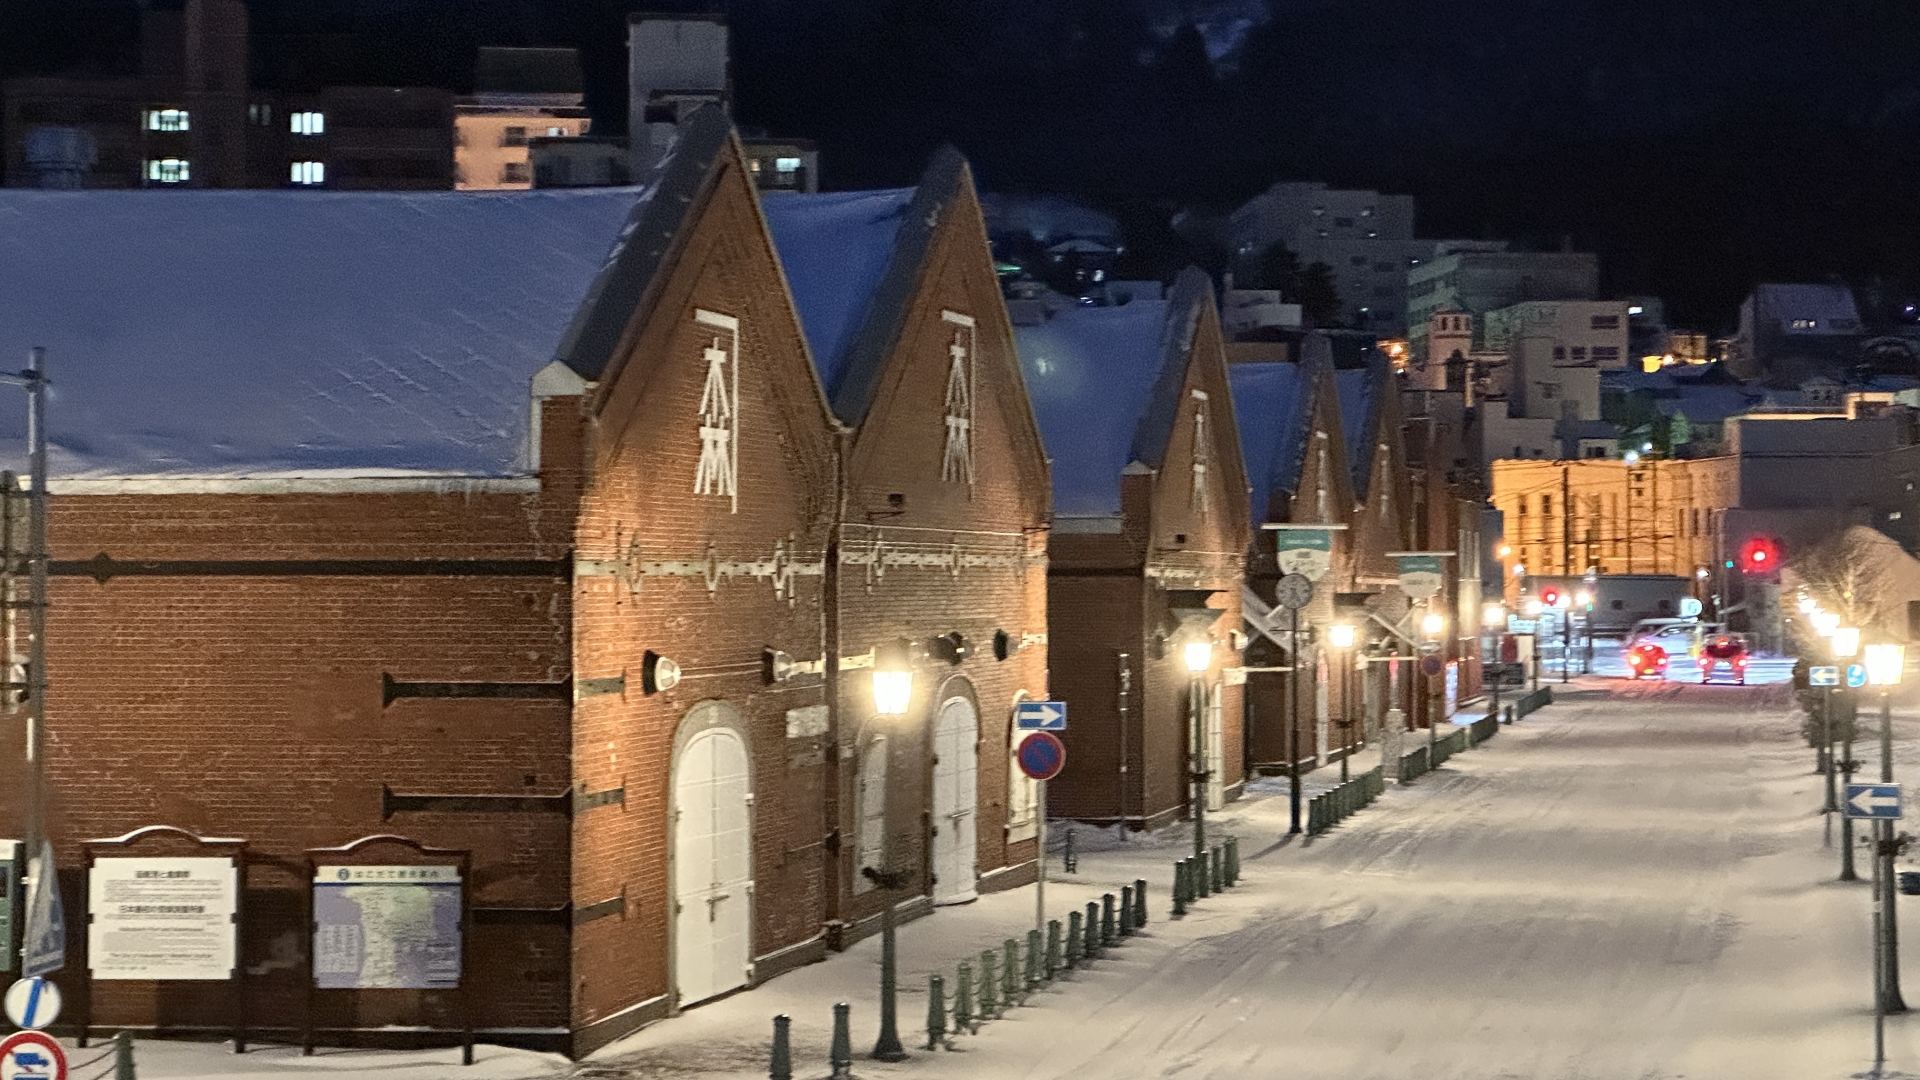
[{"x": 1630, "y": 884}]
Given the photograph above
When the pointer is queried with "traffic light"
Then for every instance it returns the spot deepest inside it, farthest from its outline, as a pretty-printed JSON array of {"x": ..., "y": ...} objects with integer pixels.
[{"x": 1760, "y": 555}]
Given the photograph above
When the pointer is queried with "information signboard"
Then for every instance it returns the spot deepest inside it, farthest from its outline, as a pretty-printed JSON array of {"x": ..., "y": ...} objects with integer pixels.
[
  {"x": 10, "y": 880},
  {"x": 386, "y": 927},
  {"x": 162, "y": 918}
]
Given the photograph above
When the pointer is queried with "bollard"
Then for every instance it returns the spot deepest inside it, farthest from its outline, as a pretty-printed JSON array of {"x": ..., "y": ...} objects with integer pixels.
[
  {"x": 1126, "y": 911},
  {"x": 1197, "y": 876},
  {"x": 1033, "y": 960},
  {"x": 1233, "y": 860},
  {"x": 1073, "y": 940},
  {"x": 841, "y": 1054},
  {"x": 963, "y": 1003},
  {"x": 989, "y": 989},
  {"x": 123, "y": 1058},
  {"x": 1139, "y": 902},
  {"x": 1093, "y": 931},
  {"x": 1179, "y": 889},
  {"x": 781, "y": 1067},
  {"x": 1219, "y": 870},
  {"x": 936, "y": 1014},
  {"x": 1109, "y": 932},
  {"x": 1053, "y": 949},
  {"x": 1011, "y": 985},
  {"x": 1069, "y": 861}
]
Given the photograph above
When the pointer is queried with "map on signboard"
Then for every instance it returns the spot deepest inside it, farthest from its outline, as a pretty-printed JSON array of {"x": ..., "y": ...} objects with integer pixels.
[
  {"x": 167, "y": 918},
  {"x": 386, "y": 927}
]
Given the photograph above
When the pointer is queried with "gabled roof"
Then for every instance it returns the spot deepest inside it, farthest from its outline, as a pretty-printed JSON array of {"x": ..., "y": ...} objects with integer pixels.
[
  {"x": 255, "y": 334},
  {"x": 1105, "y": 385},
  {"x": 613, "y": 300},
  {"x": 852, "y": 261},
  {"x": 1359, "y": 390},
  {"x": 1274, "y": 402}
]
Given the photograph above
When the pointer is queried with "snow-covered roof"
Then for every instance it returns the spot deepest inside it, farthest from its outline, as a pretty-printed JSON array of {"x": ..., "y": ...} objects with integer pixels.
[
  {"x": 835, "y": 249},
  {"x": 280, "y": 333},
  {"x": 1271, "y": 407},
  {"x": 1090, "y": 372}
]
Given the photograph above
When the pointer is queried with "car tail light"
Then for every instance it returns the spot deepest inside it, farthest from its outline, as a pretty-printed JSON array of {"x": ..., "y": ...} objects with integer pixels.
[{"x": 1636, "y": 659}]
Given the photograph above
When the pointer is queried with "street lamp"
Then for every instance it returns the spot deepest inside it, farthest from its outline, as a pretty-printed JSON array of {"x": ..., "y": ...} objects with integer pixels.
[
  {"x": 1825, "y": 623},
  {"x": 892, "y": 693},
  {"x": 1433, "y": 625},
  {"x": 1198, "y": 653},
  {"x": 1340, "y": 639},
  {"x": 1885, "y": 664},
  {"x": 1807, "y": 606},
  {"x": 1845, "y": 642}
]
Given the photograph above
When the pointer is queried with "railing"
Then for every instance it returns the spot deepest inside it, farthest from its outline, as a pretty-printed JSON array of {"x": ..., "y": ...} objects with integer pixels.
[
  {"x": 1532, "y": 702},
  {"x": 1329, "y": 808},
  {"x": 1483, "y": 729}
]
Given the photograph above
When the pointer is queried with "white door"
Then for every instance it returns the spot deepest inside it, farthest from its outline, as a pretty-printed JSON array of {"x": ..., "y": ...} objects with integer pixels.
[
  {"x": 956, "y": 764},
  {"x": 872, "y": 851},
  {"x": 1216, "y": 752},
  {"x": 712, "y": 836}
]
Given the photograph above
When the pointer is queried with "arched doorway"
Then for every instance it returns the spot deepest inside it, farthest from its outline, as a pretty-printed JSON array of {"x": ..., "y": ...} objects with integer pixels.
[
  {"x": 712, "y": 856},
  {"x": 956, "y": 766}
]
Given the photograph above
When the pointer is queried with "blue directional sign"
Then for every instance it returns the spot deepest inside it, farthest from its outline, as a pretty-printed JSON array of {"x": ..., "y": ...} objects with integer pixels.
[
  {"x": 1040, "y": 716},
  {"x": 1823, "y": 676},
  {"x": 1856, "y": 675},
  {"x": 1880, "y": 802}
]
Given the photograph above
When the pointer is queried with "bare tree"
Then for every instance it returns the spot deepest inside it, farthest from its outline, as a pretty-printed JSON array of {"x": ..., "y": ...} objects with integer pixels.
[{"x": 1849, "y": 573}]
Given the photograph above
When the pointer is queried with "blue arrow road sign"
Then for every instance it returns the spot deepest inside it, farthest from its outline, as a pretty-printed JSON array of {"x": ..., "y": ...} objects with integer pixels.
[
  {"x": 1823, "y": 676},
  {"x": 1856, "y": 675},
  {"x": 1040, "y": 716},
  {"x": 1877, "y": 801}
]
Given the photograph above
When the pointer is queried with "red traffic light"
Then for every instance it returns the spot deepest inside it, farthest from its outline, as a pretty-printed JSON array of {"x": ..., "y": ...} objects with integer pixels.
[{"x": 1760, "y": 553}]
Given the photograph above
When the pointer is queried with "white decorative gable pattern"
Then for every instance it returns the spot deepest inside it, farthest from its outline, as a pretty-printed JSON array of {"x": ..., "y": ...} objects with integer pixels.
[
  {"x": 1202, "y": 454},
  {"x": 956, "y": 465},
  {"x": 719, "y": 470}
]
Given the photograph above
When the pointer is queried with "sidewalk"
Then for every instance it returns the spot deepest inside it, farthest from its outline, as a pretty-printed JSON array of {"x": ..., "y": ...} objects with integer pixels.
[{"x": 729, "y": 1038}]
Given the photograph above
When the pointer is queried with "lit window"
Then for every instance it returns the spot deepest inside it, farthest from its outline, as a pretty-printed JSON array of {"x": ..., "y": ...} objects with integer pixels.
[
  {"x": 308, "y": 123},
  {"x": 1805, "y": 324},
  {"x": 1319, "y": 211},
  {"x": 1635, "y": 310},
  {"x": 786, "y": 164},
  {"x": 1373, "y": 235},
  {"x": 1366, "y": 211},
  {"x": 166, "y": 119},
  {"x": 556, "y": 132},
  {"x": 309, "y": 172},
  {"x": 167, "y": 171},
  {"x": 260, "y": 114}
]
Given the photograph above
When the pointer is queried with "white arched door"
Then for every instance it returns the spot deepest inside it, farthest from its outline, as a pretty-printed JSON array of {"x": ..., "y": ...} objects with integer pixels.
[
  {"x": 956, "y": 765},
  {"x": 713, "y": 875},
  {"x": 1216, "y": 751}
]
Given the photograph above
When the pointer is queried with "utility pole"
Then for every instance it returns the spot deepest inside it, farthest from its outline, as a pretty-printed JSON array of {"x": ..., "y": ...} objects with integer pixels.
[
  {"x": 1889, "y": 933},
  {"x": 34, "y": 380},
  {"x": 1293, "y": 725},
  {"x": 1566, "y": 522}
]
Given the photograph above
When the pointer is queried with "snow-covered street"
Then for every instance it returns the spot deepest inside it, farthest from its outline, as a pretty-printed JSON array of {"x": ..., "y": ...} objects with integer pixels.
[{"x": 1628, "y": 884}]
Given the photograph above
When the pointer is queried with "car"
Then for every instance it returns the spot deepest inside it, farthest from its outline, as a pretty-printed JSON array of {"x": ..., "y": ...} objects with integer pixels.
[
  {"x": 1647, "y": 658},
  {"x": 1728, "y": 649},
  {"x": 1667, "y": 632}
]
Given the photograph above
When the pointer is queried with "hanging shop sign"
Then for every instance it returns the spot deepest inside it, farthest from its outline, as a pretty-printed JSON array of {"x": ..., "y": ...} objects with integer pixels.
[
  {"x": 1421, "y": 575},
  {"x": 1306, "y": 550}
]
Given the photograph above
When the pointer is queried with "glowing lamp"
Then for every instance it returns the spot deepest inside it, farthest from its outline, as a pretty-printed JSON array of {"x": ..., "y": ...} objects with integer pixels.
[
  {"x": 1885, "y": 664},
  {"x": 1846, "y": 641},
  {"x": 1340, "y": 636},
  {"x": 1825, "y": 623},
  {"x": 892, "y": 679},
  {"x": 1199, "y": 655},
  {"x": 1493, "y": 615},
  {"x": 1433, "y": 624}
]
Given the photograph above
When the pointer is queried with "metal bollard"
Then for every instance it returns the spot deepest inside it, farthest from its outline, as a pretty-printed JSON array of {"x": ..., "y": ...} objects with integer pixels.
[
  {"x": 963, "y": 1016},
  {"x": 123, "y": 1055},
  {"x": 1054, "y": 961},
  {"x": 1197, "y": 876},
  {"x": 1179, "y": 889},
  {"x": 841, "y": 1054},
  {"x": 1219, "y": 879},
  {"x": 989, "y": 987},
  {"x": 1139, "y": 902},
  {"x": 1069, "y": 861},
  {"x": 1073, "y": 940},
  {"x": 1126, "y": 911},
  {"x": 1109, "y": 932},
  {"x": 1093, "y": 931},
  {"x": 936, "y": 1015},
  {"x": 1033, "y": 960},
  {"x": 1011, "y": 985},
  {"x": 781, "y": 1068},
  {"x": 1233, "y": 860}
]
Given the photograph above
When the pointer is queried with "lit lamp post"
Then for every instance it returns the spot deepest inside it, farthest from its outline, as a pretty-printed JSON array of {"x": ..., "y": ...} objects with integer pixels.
[
  {"x": 1198, "y": 654},
  {"x": 1845, "y": 645},
  {"x": 1340, "y": 640},
  {"x": 892, "y": 693},
  {"x": 1885, "y": 664},
  {"x": 1493, "y": 616},
  {"x": 1432, "y": 625}
]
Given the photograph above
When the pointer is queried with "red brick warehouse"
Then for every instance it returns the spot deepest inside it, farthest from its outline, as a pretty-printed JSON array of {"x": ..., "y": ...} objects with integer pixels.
[
  {"x": 1150, "y": 516},
  {"x": 940, "y": 541}
]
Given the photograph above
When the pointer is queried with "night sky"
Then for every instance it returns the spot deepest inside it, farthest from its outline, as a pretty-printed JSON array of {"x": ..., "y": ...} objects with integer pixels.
[{"x": 1697, "y": 145}]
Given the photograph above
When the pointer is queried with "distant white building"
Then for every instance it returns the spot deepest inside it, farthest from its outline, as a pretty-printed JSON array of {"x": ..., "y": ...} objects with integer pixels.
[
  {"x": 1477, "y": 278},
  {"x": 1364, "y": 237}
]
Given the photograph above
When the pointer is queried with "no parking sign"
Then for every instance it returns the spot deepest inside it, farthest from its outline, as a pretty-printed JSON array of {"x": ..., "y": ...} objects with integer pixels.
[{"x": 32, "y": 1055}]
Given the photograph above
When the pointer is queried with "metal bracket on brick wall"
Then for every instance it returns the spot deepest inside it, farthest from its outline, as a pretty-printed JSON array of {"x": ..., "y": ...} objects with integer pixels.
[
  {"x": 587, "y": 800},
  {"x": 391, "y": 689},
  {"x": 523, "y": 916},
  {"x": 613, "y": 684},
  {"x": 392, "y": 803},
  {"x": 601, "y": 910},
  {"x": 104, "y": 568}
]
